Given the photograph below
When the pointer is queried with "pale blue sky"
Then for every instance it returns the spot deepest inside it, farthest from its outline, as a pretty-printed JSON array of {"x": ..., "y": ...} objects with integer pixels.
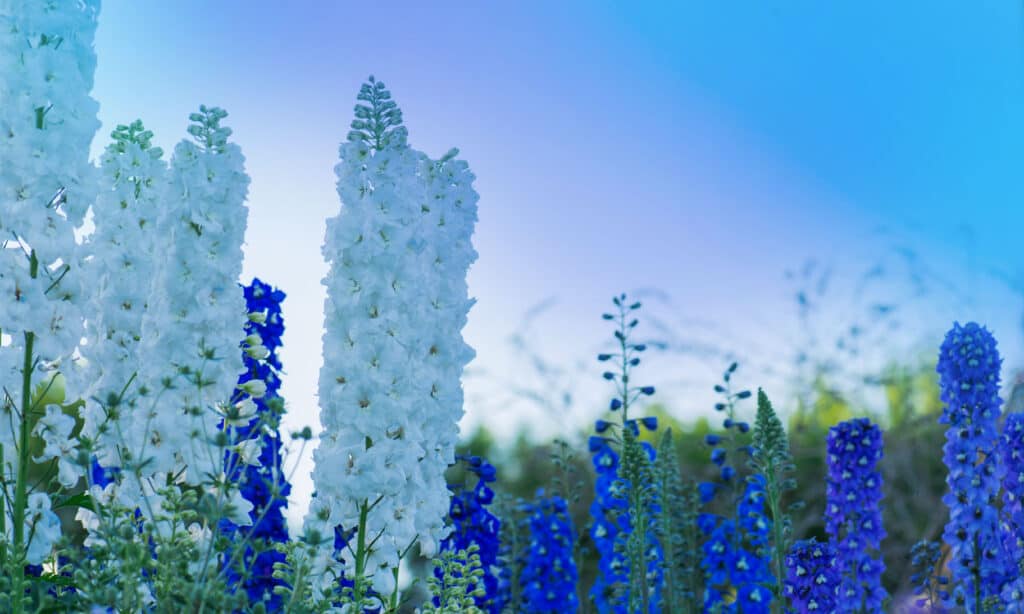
[{"x": 696, "y": 147}]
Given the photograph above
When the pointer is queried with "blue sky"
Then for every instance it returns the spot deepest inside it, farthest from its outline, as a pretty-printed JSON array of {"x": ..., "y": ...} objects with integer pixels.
[{"x": 699, "y": 148}]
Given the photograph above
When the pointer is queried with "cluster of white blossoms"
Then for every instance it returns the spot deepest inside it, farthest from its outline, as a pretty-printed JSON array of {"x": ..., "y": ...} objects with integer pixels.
[
  {"x": 196, "y": 315},
  {"x": 390, "y": 391},
  {"x": 47, "y": 121},
  {"x": 123, "y": 251}
]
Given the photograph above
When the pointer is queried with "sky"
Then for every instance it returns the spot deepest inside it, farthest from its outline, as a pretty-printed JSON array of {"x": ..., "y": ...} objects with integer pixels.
[{"x": 690, "y": 153}]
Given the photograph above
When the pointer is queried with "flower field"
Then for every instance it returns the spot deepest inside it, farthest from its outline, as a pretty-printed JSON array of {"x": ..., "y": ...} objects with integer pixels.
[{"x": 143, "y": 457}]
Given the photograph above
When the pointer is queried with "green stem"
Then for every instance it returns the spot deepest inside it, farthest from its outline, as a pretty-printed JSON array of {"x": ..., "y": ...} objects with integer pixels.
[
  {"x": 359, "y": 580},
  {"x": 393, "y": 605},
  {"x": 778, "y": 548},
  {"x": 21, "y": 486}
]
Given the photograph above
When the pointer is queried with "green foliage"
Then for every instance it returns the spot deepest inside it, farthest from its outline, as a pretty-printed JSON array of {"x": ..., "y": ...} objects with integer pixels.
[{"x": 677, "y": 531}]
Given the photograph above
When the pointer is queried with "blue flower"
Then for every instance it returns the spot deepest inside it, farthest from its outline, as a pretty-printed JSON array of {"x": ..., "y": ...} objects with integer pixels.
[
  {"x": 968, "y": 370},
  {"x": 735, "y": 552},
  {"x": 549, "y": 571},
  {"x": 812, "y": 577},
  {"x": 473, "y": 523},
  {"x": 1011, "y": 452},
  {"x": 853, "y": 515},
  {"x": 264, "y": 486}
]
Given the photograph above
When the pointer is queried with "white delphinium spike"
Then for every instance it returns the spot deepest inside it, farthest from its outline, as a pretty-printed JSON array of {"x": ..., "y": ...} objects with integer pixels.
[
  {"x": 47, "y": 122},
  {"x": 123, "y": 250},
  {"x": 390, "y": 392},
  {"x": 442, "y": 352},
  {"x": 197, "y": 312}
]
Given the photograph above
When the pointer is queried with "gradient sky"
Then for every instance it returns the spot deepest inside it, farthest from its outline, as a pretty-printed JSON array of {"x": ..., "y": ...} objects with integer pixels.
[{"x": 699, "y": 148}]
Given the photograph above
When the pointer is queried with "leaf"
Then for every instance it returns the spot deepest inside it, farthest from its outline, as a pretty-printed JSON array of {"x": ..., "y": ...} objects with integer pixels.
[{"x": 82, "y": 500}]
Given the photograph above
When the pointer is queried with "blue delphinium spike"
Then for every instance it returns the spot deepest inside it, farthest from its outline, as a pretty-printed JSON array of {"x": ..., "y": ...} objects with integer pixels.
[
  {"x": 263, "y": 484},
  {"x": 734, "y": 556},
  {"x": 473, "y": 523},
  {"x": 968, "y": 370},
  {"x": 1011, "y": 450},
  {"x": 853, "y": 514},
  {"x": 549, "y": 572},
  {"x": 812, "y": 577},
  {"x": 629, "y": 570},
  {"x": 604, "y": 531}
]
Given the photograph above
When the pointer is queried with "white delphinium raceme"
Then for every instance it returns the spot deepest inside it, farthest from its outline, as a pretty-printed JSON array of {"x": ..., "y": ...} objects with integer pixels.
[
  {"x": 123, "y": 251},
  {"x": 389, "y": 387},
  {"x": 47, "y": 121},
  {"x": 196, "y": 314},
  {"x": 449, "y": 216}
]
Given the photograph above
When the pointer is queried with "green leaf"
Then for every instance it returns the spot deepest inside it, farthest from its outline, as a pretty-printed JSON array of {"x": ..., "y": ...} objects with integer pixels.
[{"x": 82, "y": 500}]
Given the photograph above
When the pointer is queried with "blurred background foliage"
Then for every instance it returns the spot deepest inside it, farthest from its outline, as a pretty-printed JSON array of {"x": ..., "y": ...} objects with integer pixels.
[{"x": 912, "y": 466}]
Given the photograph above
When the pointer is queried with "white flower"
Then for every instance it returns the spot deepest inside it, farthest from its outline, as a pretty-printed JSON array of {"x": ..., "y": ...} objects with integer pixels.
[
  {"x": 55, "y": 429},
  {"x": 239, "y": 414},
  {"x": 257, "y": 352},
  {"x": 42, "y": 527},
  {"x": 255, "y": 388},
  {"x": 123, "y": 253},
  {"x": 196, "y": 313},
  {"x": 47, "y": 121},
  {"x": 390, "y": 392},
  {"x": 248, "y": 452}
]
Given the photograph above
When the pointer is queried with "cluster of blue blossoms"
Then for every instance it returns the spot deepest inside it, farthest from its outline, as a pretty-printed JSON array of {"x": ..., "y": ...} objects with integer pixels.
[
  {"x": 968, "y": 370},
  {"x": 1012, "y": 457},
  {"x": 812, "y": 577},
  {"x": 549, "y": 572},
  {"x": 853, "y": 514},
  {"x": 607, "y": 506},
  {"x": 263, "y": 485},
  {"x": 474, "y": 523},
  {"x": 735, "y": 561}
]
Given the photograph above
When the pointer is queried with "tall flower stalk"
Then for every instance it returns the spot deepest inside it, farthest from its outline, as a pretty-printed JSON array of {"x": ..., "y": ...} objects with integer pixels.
[
  {"x": 473, "y": 523},
  {"x": 197, "y": 312},
  {"x": 853, "y": 513},
  {"x": 677, "y": 530},
  {"x": 772, "y": 461},
  {"x": 626, "y": 505},
  {"x": 390, "y": 391},
  {"x": 968, "y": 370},
  {"x": 48, "y": 120},
  {"x": 121, "y": 266},
  {"x": 1011, "y": 449},
  {"x": 549, "y": 574},
  {"x": 262, "y": 479}
]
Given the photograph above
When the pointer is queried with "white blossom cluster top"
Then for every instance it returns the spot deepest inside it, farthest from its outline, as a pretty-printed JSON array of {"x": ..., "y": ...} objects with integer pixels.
[
  {"x": 47, "y": 121},
  {"x": 390, "y": 391},
  {"x": 123, "y": 253},
  {"x": 196, "y": 315}
]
